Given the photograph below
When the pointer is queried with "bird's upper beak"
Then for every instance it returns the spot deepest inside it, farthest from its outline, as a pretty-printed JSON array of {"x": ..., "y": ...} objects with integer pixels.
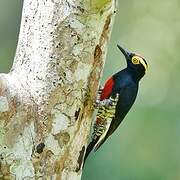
[{"x": 126, "y": 53}]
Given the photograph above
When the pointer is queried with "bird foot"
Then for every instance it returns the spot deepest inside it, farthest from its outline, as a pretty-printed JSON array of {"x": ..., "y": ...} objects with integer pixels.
[
  {"x": 106, "y": 102},
  {"x": 97, "y": 101}
]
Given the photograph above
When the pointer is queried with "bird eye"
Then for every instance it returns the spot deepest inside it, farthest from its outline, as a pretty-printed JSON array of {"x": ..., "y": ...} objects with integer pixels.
[{"x": 135, "y": 60}]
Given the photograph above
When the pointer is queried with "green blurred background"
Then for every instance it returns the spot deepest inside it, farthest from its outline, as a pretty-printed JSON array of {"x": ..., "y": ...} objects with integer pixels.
[{"x": 147, "y": 144}]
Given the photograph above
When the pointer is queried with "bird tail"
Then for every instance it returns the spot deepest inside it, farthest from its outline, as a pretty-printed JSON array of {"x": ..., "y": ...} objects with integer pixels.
[{"x": 89, "y": 149}]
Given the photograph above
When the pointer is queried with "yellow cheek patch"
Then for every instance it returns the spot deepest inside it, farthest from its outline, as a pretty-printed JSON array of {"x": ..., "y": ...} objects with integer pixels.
[
  {"x": 135, "y": 59},
  {"x": 138, "y": 60}
]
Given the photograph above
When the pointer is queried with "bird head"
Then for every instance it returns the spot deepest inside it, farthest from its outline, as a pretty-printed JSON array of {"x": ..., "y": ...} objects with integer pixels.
[{"x": 135, "y": 63}]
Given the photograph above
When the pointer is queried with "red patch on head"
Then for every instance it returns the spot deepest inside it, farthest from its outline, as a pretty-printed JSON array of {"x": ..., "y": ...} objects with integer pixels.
[{"x": 107, "y": 89}]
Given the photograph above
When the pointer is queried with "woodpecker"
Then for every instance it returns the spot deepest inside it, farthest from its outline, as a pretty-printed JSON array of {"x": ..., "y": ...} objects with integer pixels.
[{"x": 116, "y": 98}]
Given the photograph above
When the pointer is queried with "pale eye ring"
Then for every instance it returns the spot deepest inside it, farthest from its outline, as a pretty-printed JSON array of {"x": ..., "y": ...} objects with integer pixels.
[{"x": 135, "y": 60}]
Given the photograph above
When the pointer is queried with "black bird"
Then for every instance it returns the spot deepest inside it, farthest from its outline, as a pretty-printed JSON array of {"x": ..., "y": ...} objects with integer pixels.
[{"x": 116, "y": 98}]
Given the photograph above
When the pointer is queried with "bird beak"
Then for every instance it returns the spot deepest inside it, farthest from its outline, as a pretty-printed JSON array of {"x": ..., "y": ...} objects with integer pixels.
[{"x": 125, "y": 52}]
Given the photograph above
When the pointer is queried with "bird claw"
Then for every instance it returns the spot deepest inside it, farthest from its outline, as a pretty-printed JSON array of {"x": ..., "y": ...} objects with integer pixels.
[
  {"x": 96, "y": 104},
  {"x": 106, "y": 102},
  {"x": 98, "y": 101}
]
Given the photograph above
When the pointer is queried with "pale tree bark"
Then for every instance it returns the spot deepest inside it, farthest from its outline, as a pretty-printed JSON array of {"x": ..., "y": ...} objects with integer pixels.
[{"x": 46, "y": 99}]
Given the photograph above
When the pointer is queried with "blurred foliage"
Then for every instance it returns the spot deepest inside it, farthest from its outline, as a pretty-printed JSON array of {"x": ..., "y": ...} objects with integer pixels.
[
  {"x": 10, "y": 15},
  {"x": 147, "y": 144}
]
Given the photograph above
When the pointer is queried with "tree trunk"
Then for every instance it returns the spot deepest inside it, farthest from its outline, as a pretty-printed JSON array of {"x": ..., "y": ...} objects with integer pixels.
[{"x": 46, "y": 99}]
